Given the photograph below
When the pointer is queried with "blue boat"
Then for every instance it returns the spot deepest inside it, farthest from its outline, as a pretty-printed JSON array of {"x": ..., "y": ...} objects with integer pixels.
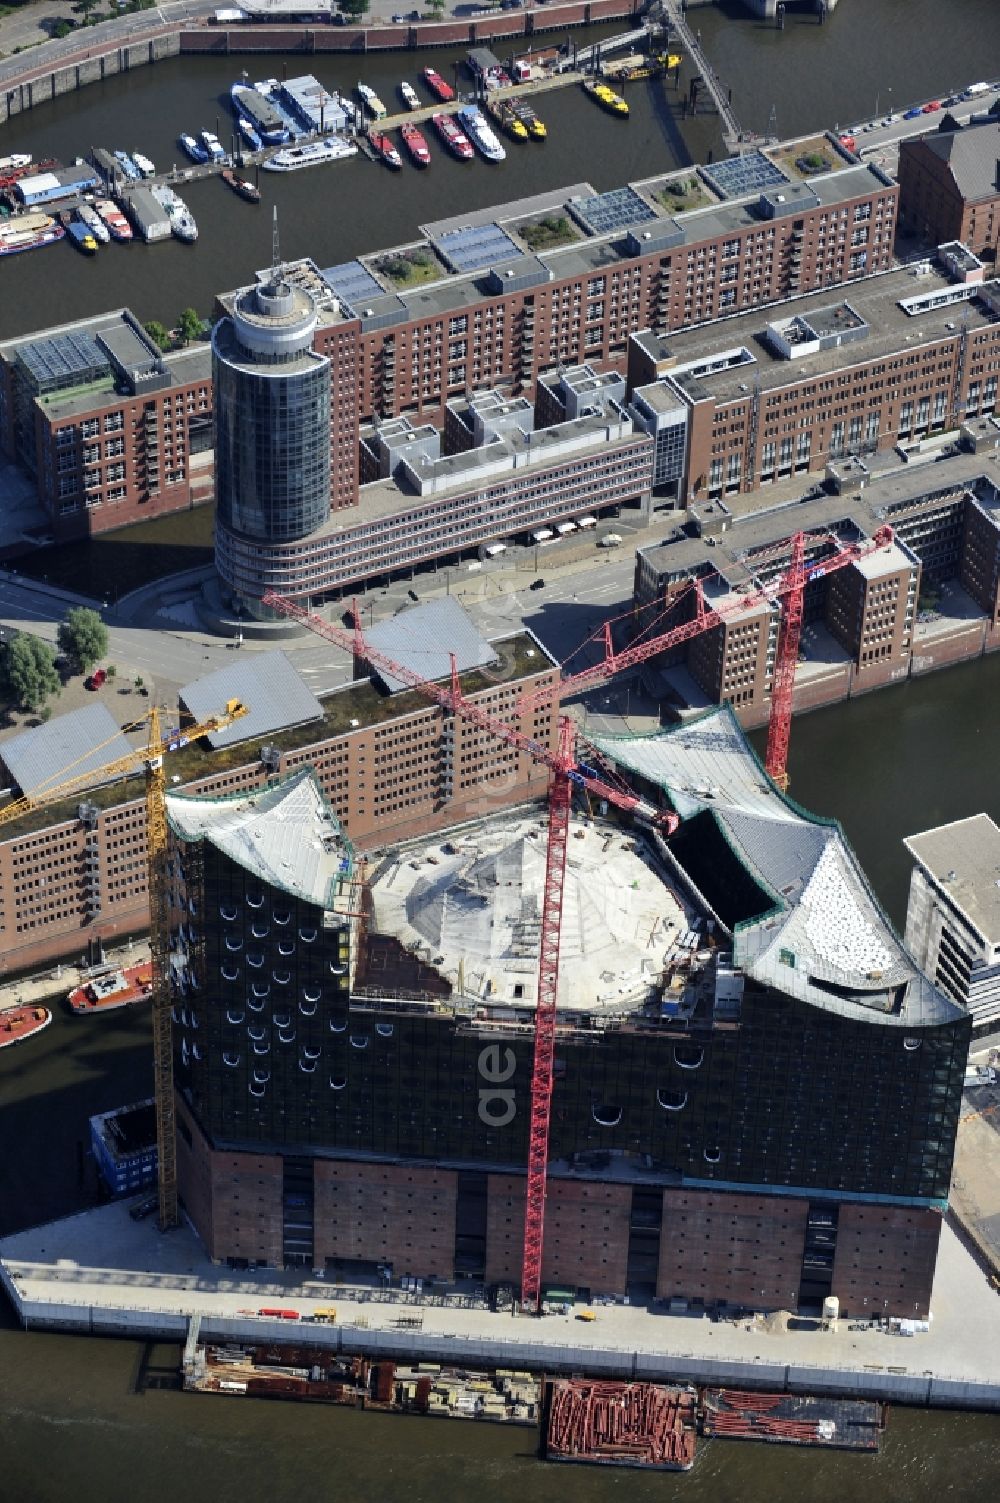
[
  {"x": 248, "y": 133},
  {"x": 127, "y": 165},
  {"x": 194, "y": 149},
  {"x": 213, "y": 146}
]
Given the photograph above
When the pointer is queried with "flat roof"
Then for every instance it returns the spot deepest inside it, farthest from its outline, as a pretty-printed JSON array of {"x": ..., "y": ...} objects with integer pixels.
[
  {"x": 964, "y": 859},
  {"x": 77, "y": 745},
  {"x": 274, "y": 694},
  {"x": 875, "y": 299}
]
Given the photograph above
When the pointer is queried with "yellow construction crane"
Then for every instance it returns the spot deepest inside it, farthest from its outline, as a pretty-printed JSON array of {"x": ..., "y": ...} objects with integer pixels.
[{"x": 66, "y": 783}]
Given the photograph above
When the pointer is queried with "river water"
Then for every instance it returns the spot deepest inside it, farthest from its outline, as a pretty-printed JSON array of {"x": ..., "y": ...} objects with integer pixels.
[{"x": 76, "y": 1418}]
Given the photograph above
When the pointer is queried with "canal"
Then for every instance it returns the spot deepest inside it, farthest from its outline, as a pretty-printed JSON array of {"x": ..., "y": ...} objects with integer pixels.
[{"x": 88, "y": 1419}]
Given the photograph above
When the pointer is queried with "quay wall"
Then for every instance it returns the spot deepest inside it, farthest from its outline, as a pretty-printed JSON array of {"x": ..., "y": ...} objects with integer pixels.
[
  {"x": 924, "y": 1390},
  {"x": 28, "y": 80},
  {"x": 966, "y": 641}
]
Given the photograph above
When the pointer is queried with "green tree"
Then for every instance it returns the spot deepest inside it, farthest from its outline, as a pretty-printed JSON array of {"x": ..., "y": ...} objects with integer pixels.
[
  {"x": 354, "y": 7},
  {"x": 158, "y": 334},
  {"x": 191, "y": 325},
  {"x": 28, "y": 672},
  {"x": 437, "y": 6},
  {"x": 83, "y": 637}
]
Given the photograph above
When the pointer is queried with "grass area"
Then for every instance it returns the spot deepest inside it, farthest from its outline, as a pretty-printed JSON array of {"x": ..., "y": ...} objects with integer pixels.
[
  {"x": 683, "y": 193},
  {"x": 110, "y": 566},
  {"x": 409, "y": 268},
  {"x": 806, "y": 158},
  {"x": 545, "y": 234}
]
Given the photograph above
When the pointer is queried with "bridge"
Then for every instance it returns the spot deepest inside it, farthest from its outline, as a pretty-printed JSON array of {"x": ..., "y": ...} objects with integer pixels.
[
  {"x": 672, "y": 12},
  {"x": 583, "y": 58}
]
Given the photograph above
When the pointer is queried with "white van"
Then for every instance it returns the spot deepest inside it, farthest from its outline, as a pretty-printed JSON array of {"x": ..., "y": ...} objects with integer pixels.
[
  {"x": 610, "y": 540},
  {"x": 543, "y": 535},
  {"x": 565, "y": 528},
  {"x": 585, "y": 523},
  {"x": 491, "y": 550}
]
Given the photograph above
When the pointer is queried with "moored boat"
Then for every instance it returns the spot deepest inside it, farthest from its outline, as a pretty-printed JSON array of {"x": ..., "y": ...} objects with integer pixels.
[
  {"x": 248, "y": 133},
  {"x": 409, "y": 95},
  {"x": 145, "y": 165},
  {"x": 117, "y": 224},
  {"x": 16, "y": 160},
  {"x": 415, "y": 144},
  {"x": 438, "y": 87},
  {"x": 241, "y": 185},
  {"x": 257, "y": 110},
  {"x": 385, "y": 149},
  {"x": 525, "y": 114},
  {"x": 372, "y": 102},
  {"x": 195, "y": 151},
  {"x": 293, "y": 158},
  {"x": 606, "y": 98},
  {"x": 482, "y": 135},
  {"x": 128, "y": 166},
  {"x": 24, "y": 232},
  {"x": 94, "y": 223},
  {"x": 79, "y": 233},
  {"x": 456, "y": 140},
  {"x": 182, "y": 221},
  {"x": 504, "y": 114},
  {"x": 20, "y": 1023},
  {"x": 110, "y": 992},
  {"x": 213, "y": 146}
]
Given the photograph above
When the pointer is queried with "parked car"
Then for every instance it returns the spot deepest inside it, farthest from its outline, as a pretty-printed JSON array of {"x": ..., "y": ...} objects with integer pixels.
[
  {"x": 930, "y": 107},
  {"x": 537, "y": 584},
  {"x": 915, "y": 113},
  {"x": 97, "y": 678}
]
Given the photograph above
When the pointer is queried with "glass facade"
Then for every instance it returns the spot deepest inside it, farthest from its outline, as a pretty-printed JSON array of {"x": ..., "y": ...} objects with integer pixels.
[
  {"x": 791, "y": 1098},
  {"x": 272, "y": 444}
]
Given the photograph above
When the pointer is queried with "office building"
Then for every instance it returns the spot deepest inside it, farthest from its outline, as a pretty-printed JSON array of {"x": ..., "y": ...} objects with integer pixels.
[
  {"x": 272, "y": 396},
  {"x": 110, "y": 429},
  {"x": 953, "y": 913}
]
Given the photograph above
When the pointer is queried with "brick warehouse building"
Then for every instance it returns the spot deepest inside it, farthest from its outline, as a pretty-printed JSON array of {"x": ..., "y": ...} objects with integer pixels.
[
  {"x": 949, "y": 188},
  {"x": 111, "y": 430},
  {"x": 77, "y": 870},
  {"x": 946, "y": 522},
  {"x": 332, "y": 1118}
]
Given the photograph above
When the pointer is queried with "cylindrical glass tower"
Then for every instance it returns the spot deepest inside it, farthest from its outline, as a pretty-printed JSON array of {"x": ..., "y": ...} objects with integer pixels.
[{"x": 272, "y": 419}]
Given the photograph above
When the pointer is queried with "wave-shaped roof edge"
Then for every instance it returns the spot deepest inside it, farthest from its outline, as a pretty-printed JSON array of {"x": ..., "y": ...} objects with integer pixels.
[
  {"x": 708, "y": 764},
  {"x": 286, "y": 834}
]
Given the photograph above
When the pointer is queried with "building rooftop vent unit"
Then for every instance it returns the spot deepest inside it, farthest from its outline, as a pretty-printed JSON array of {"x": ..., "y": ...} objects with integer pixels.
[{"x": 270, "y": 756}]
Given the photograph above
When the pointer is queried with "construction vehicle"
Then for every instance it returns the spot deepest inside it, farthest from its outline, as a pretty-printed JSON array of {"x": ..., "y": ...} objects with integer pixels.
[
  {"x": 787, "y": 590},
  {"x": 65, "y": 784}
]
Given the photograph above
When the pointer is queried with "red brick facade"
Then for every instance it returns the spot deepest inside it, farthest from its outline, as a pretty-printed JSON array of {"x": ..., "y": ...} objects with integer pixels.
[
  {"x": 403, "y": 1214},
  {"x": 744, "y": 1249}
]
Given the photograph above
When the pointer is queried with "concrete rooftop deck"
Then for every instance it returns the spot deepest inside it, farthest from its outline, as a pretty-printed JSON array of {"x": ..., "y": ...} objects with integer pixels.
[{"x": 101, "y": 1272}]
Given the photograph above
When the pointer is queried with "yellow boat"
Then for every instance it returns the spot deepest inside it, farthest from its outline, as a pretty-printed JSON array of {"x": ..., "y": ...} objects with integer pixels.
[
  {"x": 503, "y": 113},
  {"x": 527, "y": 117},
  {"x": 606, "y": 98}
]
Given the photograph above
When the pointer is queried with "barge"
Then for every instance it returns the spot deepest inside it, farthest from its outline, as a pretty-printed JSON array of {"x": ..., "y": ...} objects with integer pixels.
[{"x": 647, "y": 1425}]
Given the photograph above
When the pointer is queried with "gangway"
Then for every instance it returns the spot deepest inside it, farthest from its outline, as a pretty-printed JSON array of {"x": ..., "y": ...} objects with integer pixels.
[
  {"x": 585, "y": 56},
  {"x": 672, "y": 13}
]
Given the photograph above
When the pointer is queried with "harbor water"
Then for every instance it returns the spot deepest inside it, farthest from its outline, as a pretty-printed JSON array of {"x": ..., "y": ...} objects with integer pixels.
[{"x": 99, "y": 1420}]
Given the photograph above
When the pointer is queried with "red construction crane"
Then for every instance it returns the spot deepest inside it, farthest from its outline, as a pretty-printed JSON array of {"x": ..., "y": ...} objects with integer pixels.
[
  {"x": 789, "y": 589},
  {"x": 567, "y": 772}
]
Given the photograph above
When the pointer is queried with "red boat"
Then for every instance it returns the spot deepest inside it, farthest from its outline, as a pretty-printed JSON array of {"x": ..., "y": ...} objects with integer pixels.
[
  {"x": 385, "y": 149},
  {"x": 20, "y": 1023},
  {"x": 456, "y": 140},
  {"x": 416, "y": 145},
  {"x": 437, "y": 86},
  {"x": 116, "y": 989},
  {"x": 12, "y": 175}
]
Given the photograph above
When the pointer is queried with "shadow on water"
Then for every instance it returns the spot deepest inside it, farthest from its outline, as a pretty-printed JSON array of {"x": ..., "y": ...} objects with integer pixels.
[{"x": 107, "y": 567}]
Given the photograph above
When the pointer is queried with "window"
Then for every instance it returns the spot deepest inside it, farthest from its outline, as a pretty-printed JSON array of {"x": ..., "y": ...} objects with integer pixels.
[{"x": 114, "y": 422}]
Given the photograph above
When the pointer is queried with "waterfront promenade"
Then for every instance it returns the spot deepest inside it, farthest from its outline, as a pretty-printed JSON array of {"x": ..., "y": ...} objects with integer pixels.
[{"x": 102, "y": 1273}]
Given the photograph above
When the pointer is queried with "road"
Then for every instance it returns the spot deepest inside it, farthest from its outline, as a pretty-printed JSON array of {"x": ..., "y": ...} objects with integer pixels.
[{"x": 572, "y": 603}]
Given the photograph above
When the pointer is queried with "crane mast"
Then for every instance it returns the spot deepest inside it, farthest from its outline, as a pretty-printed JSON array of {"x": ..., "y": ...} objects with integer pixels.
[{"x": 67, "y": 783}]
